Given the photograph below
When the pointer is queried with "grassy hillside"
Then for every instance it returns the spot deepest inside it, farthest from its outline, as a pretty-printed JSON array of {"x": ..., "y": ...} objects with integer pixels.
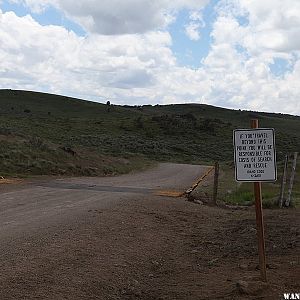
[{"x": 39, "y": 133}]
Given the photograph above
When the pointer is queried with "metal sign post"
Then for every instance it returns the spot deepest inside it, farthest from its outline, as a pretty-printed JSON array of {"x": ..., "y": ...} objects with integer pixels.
[{"x": 255, "y": 161}]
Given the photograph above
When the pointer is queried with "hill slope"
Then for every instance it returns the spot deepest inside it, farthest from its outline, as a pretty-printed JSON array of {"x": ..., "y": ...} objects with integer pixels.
[{"x": 50, "y": 134}]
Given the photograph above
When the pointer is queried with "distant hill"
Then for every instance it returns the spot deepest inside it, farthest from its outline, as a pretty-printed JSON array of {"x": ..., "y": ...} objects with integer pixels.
[{"x": 49, "y": 134}]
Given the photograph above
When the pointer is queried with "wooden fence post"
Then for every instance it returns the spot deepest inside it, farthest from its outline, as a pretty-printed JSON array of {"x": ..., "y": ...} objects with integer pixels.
[
  {"x": 283, "y": 181},
  {"x": 289, "y": 197},
  {"x": 260, "y": 222},
  {"x": 216, "y": 182}
]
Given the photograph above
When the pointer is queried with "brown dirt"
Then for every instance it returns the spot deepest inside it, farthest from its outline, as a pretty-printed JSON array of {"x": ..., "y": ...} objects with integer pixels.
[{"x": 151, "y": 247}]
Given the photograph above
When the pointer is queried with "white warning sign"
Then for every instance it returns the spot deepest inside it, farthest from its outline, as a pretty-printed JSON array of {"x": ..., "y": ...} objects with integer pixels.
[{"x": 254, "y": 155}]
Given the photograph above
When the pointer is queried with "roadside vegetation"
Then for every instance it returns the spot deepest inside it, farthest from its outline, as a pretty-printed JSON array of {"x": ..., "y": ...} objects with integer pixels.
[
  {"x": 241, "y": 194},
  {"x": 43, "y": 134}
]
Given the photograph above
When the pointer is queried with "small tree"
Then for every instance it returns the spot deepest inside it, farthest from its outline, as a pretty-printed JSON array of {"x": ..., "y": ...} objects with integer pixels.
[{"x": 108, "y": 106}]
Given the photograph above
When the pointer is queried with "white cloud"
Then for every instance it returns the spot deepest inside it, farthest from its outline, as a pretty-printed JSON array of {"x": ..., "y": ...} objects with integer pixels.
[
  {"x": 226, "y": 29},
  {"x": 141, "y": 68},
  {"x": 241, "y": 54},
  {"x": 192, "y": 31},
  {"x": 111, "y": 17},
  {"x": 196, "y": 16},
  {"x": 94, "y": 65},
  {"x": 273, "y": 24}
]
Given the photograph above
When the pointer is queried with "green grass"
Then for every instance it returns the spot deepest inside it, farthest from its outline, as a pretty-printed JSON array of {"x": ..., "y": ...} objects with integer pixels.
[
  {"x": 235, "y": 193},
  {"x": 247, "y": 198},
  {"x": 111, "y": 140}
]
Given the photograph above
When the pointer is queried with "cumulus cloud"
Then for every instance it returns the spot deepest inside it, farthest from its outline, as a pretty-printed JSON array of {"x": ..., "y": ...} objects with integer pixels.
[
  {"x": 99, "y": 65},
  {"x": 273, "y": 24},
  {"x": 137, "y": 65},
  {"x": 111, "y": 17},
  {"x": 242, "y": 52}
]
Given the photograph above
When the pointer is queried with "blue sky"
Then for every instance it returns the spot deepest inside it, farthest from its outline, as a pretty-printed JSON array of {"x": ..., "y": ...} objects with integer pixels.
[
  {"x": 228, "y": 53},
  {"x": 189, "y": 52},
  {"x": 51, "y": 16}
]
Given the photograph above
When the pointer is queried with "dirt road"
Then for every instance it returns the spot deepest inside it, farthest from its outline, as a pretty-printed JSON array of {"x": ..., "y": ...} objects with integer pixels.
[
  {"x": 43, "y": 203},
  {"x": 114, "y": 238}
]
